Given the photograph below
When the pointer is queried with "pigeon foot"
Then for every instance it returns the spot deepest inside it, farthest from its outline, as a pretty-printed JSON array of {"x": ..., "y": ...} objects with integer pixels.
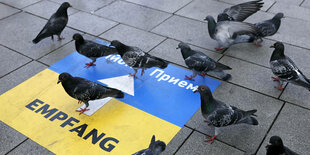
[
  {"x": 275, "y": 78},
  {"x": 142, "y": 72},
  {"x": 134, "y": 75},
  {"x": 258, "y": 44},
  {"x": 202, "y": 74},
  {"x": 60, "y": 38},
  {"x": 211, "y": 139},
  {"x": 79, "y": 102},
  {"x": 52, "y": 38},
  {"x": 189, "y": 77},
  {"x": 87, "y": 65},
  {"x": 207, "y": 122},
  {"x": 82, "y": 110},
  {"x": 279, "y": 88},
  {"x": 219, "y": 48}
]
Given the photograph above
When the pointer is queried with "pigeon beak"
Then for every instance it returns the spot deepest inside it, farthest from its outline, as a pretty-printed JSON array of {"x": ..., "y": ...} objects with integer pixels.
[
  {"x": 58, "y": 81},
  {"x": 177, "y": 48},
  {"x": 272, "y": 46},
  {"x": 196, "y": 90}
]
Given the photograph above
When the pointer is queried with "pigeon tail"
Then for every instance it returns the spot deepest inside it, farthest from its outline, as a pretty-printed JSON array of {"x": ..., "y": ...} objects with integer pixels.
[
  {"x": 222, "y": 66},
  {"x": 250, "y": 120},
  {"x": 163, "y": 65},
  {"x": 36, "y": 40},
  {"x": 227, "y": 77},
  {"x": 119, "y": 94}
]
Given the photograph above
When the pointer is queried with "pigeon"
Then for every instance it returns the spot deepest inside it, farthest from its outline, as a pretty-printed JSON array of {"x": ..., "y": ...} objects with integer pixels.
[
  {"x": 230, "y": 28},
  {"x": 285, "y": 69},
  {"x": 201, "y": 64},
  {"x": 276, "y": 147},
  {"x": 269, "y": 27},
  {"x": 136, "y": 58},
  {"x": 227, "y": 33},
  {"x": 218, "y": 114},
  {"x": 84, "y": 90},
  {"x": 155, "y": 148},
  {"x": 55, "y": 25},
  {"x": 240, "y": 12},
  {"x": 91, "y": 49}
]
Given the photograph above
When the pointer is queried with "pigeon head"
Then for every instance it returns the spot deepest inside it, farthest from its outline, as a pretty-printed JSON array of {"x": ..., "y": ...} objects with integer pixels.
[
  {"x": 279, "y": 15},
  {"x": 275, "y": 146},
  {"x": 120, "y": 47},
  {"x": 211, "y": 26},
  {"x": 65, "y": 5},
  {"x": 77, "y": 37},
  {"x": 185, "y": 50},
  {"x": 183, "y": 45},
  {"x": 203, "y": 89},
  {"x": 279, "y": 50},
  {"x": 209, "y": 19},
  {"x": 160, "y": 146},
  {"x": 64, "y": 77}
]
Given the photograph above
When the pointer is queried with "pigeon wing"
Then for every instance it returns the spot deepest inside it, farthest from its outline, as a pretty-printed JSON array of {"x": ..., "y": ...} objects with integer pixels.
[
  {"x": 54, "y": 25},
  {"x": 241, "y": 11},
  {"x": 200, "y": 63},
  {"x": 92, "y": 49}
]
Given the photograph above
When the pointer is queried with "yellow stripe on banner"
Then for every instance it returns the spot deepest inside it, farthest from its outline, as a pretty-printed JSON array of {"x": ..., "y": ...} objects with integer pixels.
[{"x": 42, "y": 110}]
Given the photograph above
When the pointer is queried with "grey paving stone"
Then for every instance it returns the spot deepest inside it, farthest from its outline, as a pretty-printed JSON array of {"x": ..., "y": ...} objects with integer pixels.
[
  {"x": 13, "y": 79},
  {"x": 90, "y": 23},
  {"x": 165, "y": 5},
  {"x": 133, "y": 37},
  {"x": 293, "y": 11},
  {"x": 25, "y": 27},
  {"x": 6, "y": 11},
  {"x": 40, "y": 9},
  {"x": 167, "y": 50},
  {"x": 297, "y": 95},
  {"x": 177, "y": 141},
  {"x": 306, "y": 3},
  {"x": 196, "y": 145},
  {"x": 266, "y": 6},
  {"x": 243, "y": 136},
  {"x": 134, "y": 15},
  {"x": 10, "y": 60},
  {"x": 294, "y": 2},
  {"x": 292, "y": 126},
  {"x": 88, "y": 6},
  {"x": 251, "y": 76},
  {"x": 19, "y": 4},
  {"x": 9, "y": 138},
  {"x": 187, "y": 30},
  {"x": 58, "y": 54},
  {"x": 199, "y": 9},
  {"x": 30, "y": 147}
]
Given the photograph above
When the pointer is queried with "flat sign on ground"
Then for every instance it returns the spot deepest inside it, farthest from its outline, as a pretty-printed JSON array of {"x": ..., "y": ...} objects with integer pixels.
[{"x": 158, "y": 103}]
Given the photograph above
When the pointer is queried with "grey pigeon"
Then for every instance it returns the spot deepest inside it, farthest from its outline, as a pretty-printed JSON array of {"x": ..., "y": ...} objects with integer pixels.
[
  {"x": 285, "y": 69},
  {"x": 269, "y": 27},
  {"x": 84, "y": 90},
  {"x": 218, "y": 114},
  {"x": 227, "y": 33},
  {"x": 155, "y": 148},
  {"x": 91, "y": 49},
  {"x": 201, "y": 64},
  {"x": 55, "y": 25},
  {"x": 240, "y": 12},
  {"x": 276, "y": 147},
  {"x": 136, "y": 58}
]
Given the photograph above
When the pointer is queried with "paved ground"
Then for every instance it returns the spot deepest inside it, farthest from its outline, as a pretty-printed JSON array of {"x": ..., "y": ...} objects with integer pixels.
[{"x": 157, "y": 26}]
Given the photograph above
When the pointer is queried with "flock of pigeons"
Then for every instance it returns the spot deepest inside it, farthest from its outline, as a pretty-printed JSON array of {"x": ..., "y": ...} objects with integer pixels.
[{"x": 228, "y": 30}]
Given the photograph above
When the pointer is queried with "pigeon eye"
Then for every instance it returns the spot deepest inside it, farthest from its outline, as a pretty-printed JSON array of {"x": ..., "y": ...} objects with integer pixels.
[{"x": 203, "y": 89}]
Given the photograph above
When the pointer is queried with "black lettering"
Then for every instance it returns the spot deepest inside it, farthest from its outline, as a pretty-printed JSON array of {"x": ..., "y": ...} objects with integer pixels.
[
  {"x": 110, "y": 146},
  {"x": 80, "y": 129},
  {"x": 58, "y": 116},
  {"x": 33, "y": 103},
  {"x": 95, "y": 138},
  {"x": 68, "y": 122},
  {"x": 44, "y": 110}
]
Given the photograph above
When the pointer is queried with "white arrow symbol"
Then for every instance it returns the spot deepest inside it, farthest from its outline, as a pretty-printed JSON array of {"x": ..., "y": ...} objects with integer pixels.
[{"x": 124, "y": 83}]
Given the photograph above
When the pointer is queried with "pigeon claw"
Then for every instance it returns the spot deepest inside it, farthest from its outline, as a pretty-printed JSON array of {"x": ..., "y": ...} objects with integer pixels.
[
  {"x": 202, "y": 74},
  {"x": 87, "y": 65},
  {"x": 219, "y": 48},
  {"x": 82, "y": 110},
  {"x": 211, "y": 139},
  {"x": 206, "y": 121},
  {"x": 275, "y": 78},
  {"x": 258, "y": 44},
  {"x": 79, "y": 102},
  {"x": 279, "y": 88},
  {"x": 60, "y": 38},
  {"x": 189, "y": 77},
  {"x": 134, "y": 75}
]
